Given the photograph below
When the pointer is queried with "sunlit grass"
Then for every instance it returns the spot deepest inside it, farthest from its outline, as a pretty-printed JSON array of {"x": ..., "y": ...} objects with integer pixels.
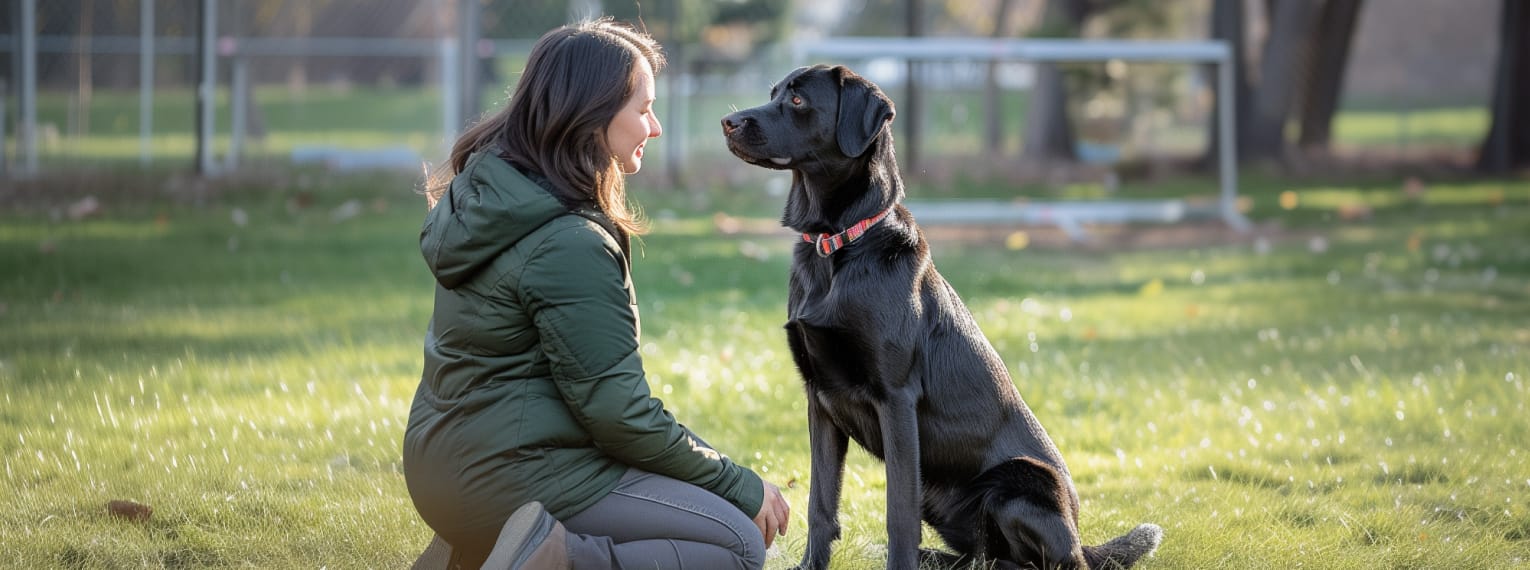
[
  {"x": 1360, "y": 404},
  {"x": 1425, "y": 127}
]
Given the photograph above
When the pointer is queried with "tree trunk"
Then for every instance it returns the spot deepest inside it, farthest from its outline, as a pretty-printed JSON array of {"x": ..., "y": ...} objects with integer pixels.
[
  {"x": 1329, "y": 57},
  {"x": 1507, "y": 145},
  {"x": 993, "y": 108},
  {"x": 83, "y": 63},
  {"x": 1048, "y": 131},
  {"x": 1227, "y": 24},
  {"x": 1279, "y": 76},
  {"x": 912, "y": 110}
]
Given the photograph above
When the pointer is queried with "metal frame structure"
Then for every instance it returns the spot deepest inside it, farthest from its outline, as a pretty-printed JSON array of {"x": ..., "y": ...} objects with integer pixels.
[
  {"x": 458, "y": 74},
  {"x": 1068, "y": 50},
  {"x": 455, "y": 52}
]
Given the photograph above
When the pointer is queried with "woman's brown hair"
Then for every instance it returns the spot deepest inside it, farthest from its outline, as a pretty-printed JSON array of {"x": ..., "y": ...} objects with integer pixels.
[{"x": 576, "y": 80}]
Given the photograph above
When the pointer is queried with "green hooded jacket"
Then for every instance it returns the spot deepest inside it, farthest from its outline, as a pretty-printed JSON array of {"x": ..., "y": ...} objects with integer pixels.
[{"x": 533, "y": 388}]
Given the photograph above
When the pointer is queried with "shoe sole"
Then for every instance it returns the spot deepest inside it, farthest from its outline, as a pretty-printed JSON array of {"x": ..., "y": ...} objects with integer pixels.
[{"x": 528, "y": 526}]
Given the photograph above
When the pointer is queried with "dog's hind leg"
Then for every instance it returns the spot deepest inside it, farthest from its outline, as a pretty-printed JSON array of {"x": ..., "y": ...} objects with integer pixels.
[
  {"x": 1040, "y": 535},
  {"x": 1029, "y": 505}
]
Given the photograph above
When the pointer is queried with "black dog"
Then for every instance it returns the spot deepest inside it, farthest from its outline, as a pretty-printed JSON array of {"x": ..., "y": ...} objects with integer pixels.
[{"x": 892, "y": 358}]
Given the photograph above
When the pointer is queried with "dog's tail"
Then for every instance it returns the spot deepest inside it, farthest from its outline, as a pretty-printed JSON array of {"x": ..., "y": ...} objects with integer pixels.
[{"x": 1124, "y": 551}]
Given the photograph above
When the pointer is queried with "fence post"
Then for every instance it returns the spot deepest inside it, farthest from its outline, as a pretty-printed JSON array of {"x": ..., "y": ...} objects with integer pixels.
[
  {"x": 145, "y": 79},
  {"x": 451, "y": 98},
  {"x": 207, "y": 85},
  {"x": 28, "y": 124},
  {"x": 4, "y": 156},
  {"x": 1227, "y": 146},
  {"x": 469, "y": 14},
  {"x": 239, "y": 107}
]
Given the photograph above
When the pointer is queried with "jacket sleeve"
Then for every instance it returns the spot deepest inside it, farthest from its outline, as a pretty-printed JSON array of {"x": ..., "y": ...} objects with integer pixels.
[{"x": 574, "y": 286}]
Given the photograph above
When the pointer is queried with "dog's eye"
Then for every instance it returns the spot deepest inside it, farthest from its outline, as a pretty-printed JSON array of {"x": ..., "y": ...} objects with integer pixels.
[{"x": 796, "y": 100}]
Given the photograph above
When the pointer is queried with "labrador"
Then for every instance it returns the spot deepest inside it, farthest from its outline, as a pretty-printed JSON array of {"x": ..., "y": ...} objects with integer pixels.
[{"x": 892, "y": 359}]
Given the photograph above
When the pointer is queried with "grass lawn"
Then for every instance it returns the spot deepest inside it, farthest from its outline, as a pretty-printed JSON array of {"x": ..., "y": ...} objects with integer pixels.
[{"x": 1351, "y": 398}]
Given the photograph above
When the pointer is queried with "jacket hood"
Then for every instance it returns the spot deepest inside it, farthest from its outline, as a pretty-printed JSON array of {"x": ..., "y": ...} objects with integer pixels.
[{"x": 489, "y": 206}]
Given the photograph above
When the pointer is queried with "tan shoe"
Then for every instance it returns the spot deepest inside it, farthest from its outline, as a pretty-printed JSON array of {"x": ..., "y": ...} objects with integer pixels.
[{"x": 531, "y": 540}]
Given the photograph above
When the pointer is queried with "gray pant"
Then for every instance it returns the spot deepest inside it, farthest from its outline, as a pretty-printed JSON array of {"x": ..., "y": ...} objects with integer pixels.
[{"x": 654, "y": 522}]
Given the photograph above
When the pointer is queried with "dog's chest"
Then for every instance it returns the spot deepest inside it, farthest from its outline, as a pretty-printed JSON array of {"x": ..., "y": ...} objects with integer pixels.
[{"x": 855, "y": 413}]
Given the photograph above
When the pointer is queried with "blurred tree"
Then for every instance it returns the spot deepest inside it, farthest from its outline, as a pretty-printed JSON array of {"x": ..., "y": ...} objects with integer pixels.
[
  {"x": 876, "y": 18},
  {"x": 1328, "y": 59},
  {"x": 83, "y": 64},
  {"x": 1286, "y": 51},
  {"x": 1507, "y": 145},
  {"x": 994, "y": 135},
  {"x": 913, "y": 108},
  {"x": 727, "y": 29},
  {"x": 1301, "y": 69},
  {"x": 519, "y": 19},
  {"x": 1048, "y": 132},
  {"x": 769, "y": 18}
]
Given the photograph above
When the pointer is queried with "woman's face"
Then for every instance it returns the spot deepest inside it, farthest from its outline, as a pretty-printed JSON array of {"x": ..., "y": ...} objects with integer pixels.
[{"x": 635, "y": 123}]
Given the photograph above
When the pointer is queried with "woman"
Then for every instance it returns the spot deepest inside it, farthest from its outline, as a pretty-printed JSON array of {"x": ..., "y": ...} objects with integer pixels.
[{"x": 533, "y": 399}]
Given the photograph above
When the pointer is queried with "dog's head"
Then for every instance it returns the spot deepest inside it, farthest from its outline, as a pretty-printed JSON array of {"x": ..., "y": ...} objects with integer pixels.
[{"x": 820, "y": 115}]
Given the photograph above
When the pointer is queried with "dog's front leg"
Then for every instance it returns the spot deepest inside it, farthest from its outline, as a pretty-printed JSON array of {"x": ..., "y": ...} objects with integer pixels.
[
  {"x": 900, "y": 441},
  {"x": 828, "y": 472}
]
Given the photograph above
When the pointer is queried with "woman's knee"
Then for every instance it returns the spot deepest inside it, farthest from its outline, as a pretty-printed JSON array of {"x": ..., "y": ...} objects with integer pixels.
[{"x": 752, "y": 556}]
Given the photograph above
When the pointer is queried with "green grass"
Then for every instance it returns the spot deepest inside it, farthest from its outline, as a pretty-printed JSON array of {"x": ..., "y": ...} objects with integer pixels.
[{"x": 1362, "y": 407}]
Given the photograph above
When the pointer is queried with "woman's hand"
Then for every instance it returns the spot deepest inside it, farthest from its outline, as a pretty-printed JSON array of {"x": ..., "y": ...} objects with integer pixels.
[{"x": 774, "y": 513}]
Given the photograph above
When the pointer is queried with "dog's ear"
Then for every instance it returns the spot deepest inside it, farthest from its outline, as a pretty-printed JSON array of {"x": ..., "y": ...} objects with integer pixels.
[{"x": 864, "y": 111}]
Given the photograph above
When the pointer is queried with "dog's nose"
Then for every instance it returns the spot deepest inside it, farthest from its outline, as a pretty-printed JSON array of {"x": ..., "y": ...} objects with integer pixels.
[{"x": 731, "y": 122}]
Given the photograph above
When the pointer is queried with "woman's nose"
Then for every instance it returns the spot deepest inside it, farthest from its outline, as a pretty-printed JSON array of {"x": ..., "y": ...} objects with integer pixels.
[{"x": 654, "y": 128}]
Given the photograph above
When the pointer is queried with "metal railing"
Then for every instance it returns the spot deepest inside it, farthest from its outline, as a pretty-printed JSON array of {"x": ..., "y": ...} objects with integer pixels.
[{"x": 1070, "y": 50}]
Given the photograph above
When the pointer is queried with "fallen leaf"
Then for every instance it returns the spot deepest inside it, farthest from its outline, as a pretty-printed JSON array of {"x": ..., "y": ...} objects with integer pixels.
[
  {"x": 1354, "y": 211},
  {"x": 726, "y": 224},
  {"x": 133, "y": 511},
  {"x": 1289, "y": 200},
  {"x": 1017, "y": 241}
]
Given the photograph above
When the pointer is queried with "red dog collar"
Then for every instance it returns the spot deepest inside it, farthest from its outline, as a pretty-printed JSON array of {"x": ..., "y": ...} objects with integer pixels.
[{"x": 827, "y": 244}]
